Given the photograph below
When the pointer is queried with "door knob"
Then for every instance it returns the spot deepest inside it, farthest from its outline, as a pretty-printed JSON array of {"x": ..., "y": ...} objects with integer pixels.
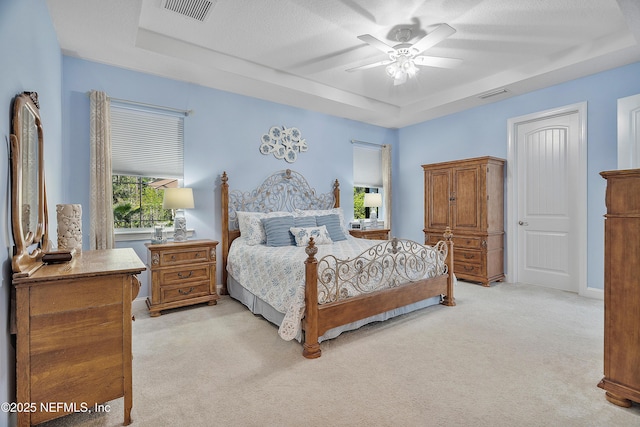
[{"x": 523, "y": 223}]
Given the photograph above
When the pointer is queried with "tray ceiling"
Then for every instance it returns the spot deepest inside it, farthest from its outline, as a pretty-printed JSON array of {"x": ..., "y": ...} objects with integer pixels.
[{"x": 296, "y": 52}]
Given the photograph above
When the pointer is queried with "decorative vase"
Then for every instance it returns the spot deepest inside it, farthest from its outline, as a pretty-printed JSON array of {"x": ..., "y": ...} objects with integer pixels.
[{"x": 69, "y": 227}]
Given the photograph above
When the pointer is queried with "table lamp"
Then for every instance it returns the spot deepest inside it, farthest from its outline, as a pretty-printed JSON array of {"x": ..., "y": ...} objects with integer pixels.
[
  {"x": 373, "y": 201},
  {"x": 178, "y": 199}
]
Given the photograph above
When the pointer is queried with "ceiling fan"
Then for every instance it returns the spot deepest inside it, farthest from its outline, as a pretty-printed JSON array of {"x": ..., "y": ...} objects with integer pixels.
[{"x": 405, "y": 57}]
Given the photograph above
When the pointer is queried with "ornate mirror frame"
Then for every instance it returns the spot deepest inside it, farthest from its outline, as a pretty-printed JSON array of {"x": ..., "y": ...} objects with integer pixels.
[{"x": 29, "y": 215}]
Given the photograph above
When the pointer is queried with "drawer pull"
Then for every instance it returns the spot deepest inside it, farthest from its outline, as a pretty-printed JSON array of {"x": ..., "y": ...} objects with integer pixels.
[
  {"x": 469, "y": 256},
  {"x": 182, "y": 276},
  {"x": 181, "y": 292},
  {"x": 468, "y": 268},
  {"x": 173, "y": 257},
  {"x": 197, "y": 254}
]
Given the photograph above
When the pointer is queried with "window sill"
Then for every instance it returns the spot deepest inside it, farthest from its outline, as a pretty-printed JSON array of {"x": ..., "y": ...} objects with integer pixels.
[{"x": 140, "y": 234}]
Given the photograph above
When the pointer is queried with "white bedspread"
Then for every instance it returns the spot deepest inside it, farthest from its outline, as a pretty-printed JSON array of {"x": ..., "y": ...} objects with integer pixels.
[{"x": 277, "y": 274}]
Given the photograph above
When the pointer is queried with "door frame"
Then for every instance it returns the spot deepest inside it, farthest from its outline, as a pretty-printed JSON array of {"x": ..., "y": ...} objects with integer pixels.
[{"x": 512, "y": 200}]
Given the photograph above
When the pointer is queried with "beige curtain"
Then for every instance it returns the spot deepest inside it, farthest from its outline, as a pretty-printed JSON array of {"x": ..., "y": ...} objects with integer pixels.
[
  {"x": 101, "y": 233},
  {"x": 386, "y": 183}
]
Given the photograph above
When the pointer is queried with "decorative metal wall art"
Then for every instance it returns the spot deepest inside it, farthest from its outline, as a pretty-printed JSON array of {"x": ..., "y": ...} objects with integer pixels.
[{"x": 284, "y": 143}]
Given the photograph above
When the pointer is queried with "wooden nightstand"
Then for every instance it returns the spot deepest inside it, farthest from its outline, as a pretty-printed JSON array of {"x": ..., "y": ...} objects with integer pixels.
[
  {"x": 371, "y": 234},
  {"x": 182, "y": 273}
]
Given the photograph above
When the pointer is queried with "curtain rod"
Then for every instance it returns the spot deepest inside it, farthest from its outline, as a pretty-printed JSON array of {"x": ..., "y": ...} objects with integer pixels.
[
  {"x": 355, "y": 141},
  {"x": 142, "y": 104}
]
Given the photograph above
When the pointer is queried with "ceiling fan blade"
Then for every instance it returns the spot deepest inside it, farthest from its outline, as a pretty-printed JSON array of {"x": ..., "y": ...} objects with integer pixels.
[
  {"x": 433, "y": 38},
  {"x": 374, "y": 42},
  {"x": 375, "y": 64},
  {"x": 436, "y": 61}
]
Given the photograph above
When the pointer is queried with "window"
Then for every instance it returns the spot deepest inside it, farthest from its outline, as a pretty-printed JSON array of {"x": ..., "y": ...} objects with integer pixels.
[
  {"x": 367, "y": 177},
  {"x": 146, "y": 156},
  {"x": 359, "y": 210}
]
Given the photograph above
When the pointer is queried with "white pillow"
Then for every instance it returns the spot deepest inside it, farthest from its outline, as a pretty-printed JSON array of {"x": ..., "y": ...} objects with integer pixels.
[
  {"x": 251, "y": 227},
  {"x": 322, "y": 212},
  {"x": 303, "y": 234}
]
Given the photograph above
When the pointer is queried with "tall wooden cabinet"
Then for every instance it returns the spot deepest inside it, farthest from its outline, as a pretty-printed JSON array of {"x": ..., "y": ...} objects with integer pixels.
[
  {"x": 73, "y": 325},
  {"x": 622, "y": 288},
  {"x": 468, "y": 196}
]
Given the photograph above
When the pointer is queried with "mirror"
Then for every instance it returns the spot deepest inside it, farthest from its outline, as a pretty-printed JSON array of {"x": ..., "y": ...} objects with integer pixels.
[{"x": 28, "y": 199}]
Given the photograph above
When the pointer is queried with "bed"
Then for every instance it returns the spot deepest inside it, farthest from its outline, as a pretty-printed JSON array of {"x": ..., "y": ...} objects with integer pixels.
[{"x": 322, "y": 281}]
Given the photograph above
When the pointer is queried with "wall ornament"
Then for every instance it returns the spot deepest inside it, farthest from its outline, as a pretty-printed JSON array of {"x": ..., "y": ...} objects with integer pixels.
[{"x": 284, "y": 143}]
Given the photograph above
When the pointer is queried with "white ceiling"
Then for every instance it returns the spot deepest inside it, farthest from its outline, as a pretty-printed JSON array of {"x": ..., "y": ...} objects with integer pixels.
[{"x": 296, "y": 52}]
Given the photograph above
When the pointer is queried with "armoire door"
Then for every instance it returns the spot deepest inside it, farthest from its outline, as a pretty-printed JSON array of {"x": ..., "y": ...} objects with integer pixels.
[
  {"x": 438, "y": 194},
  {"x": 465, "y": 209}
]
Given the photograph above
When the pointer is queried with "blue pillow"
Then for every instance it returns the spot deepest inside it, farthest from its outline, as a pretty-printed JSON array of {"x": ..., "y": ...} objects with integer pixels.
[
  {"x": 277, "y": 230},
  {"x": 304, "y": 221},
  {"x": 332, "y": 222}
]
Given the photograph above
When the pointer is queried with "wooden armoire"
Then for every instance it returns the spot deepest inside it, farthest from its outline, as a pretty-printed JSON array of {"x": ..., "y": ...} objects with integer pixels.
[
  {"x": 622, "y": 287},
  {"x": 468, "y": 196}
]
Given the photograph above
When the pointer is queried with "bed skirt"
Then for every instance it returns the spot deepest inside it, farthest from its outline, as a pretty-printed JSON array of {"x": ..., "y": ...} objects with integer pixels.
[{"x": 258, "y": 306}]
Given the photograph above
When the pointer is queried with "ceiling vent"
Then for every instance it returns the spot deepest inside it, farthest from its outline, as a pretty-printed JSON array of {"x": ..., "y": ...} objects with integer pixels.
[
  {"x": 493, "y": 93},
  {"x": 194, "y": 9}
]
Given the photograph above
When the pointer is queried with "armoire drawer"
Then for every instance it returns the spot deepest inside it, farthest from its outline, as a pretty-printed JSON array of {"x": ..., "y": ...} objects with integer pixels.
[{"x": 466, "y": 256}]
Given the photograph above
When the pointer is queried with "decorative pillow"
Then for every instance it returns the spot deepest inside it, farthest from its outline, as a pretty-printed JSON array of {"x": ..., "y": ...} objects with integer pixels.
[
  {"x": 321, "y": 212},
  {"x": 332, "y": 222},
  {"x": 277, "y": 230},
  {"x": 303, "y": 234},
  {"x": 251, "y": 228}
]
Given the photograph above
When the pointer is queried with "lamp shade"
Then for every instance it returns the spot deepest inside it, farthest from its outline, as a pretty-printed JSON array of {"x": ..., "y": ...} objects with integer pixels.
[
  {"x": 372, "y": 200},
  {"x": 178, "y": 198}
]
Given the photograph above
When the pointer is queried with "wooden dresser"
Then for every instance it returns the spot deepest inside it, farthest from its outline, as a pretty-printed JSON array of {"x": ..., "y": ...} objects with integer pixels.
[
  {"x": 468, "y": 196},
  {"x": 371, "y": 234},
  {"x": 73, "y": 344},
  {"x": 622, "y": 288},
  {"x": 182, "y": 273}
]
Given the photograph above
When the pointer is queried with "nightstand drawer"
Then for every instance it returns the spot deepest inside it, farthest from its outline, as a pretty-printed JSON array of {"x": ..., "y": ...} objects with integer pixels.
[
  {"x": 169, "y": 258},
  {"x": 169, "y": 294},
  {"x": 191, "y": 273}
]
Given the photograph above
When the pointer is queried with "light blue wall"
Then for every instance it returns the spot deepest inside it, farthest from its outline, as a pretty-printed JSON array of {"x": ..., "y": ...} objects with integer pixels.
[
  {"x": 31, "y": 61},
  {"x": 222, "y": 134},
  {"x": 482, "y": 131}
]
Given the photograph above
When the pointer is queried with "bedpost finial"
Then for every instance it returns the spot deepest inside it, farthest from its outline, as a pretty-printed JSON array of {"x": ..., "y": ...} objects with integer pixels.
[
  {"x": 448, "y": 234},
  {"x": 224, "y": 177},
  {"x": 336, "y": 184},
  {"x": 311, "y": 249}
]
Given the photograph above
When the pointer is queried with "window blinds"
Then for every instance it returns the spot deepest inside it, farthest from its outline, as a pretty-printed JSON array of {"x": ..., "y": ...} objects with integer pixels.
[
  {"x": 367, "y": 166},
  {"x": 146, "y": 142}
]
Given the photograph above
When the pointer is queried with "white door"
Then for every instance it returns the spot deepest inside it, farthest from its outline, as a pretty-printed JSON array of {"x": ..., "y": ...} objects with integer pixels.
[
  {"x": 629, "y": 132},
  {"x": 548, "y": 161}
]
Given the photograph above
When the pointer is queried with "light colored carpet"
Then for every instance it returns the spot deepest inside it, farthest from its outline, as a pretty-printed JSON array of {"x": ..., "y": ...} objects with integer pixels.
[{"x": 509, "y": 355}]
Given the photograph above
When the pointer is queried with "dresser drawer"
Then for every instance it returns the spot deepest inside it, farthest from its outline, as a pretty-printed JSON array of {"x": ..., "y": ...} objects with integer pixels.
[
  {"x": 186, "y": 291},
  {"x": 466, "y": 256},
  {"x": 185, "y": 256}
]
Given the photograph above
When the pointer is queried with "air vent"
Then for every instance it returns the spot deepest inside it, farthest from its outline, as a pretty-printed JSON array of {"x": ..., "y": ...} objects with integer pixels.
[
  {"x": 492, "y": 93},
  {"x": 195, "y": 9}
]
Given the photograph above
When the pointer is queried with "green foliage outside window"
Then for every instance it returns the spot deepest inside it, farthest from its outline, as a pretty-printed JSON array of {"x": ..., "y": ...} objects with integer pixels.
[
  {"x": 358, "y": 203},
  {"x": 136, "y": 204}
]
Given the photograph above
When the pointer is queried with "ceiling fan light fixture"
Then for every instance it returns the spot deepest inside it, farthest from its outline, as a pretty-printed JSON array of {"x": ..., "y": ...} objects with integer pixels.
[{"x": 392, "y": 69}]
